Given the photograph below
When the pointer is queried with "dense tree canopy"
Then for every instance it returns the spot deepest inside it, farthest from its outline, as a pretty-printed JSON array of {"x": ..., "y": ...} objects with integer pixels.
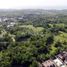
[{"x": 32, "y": 41}]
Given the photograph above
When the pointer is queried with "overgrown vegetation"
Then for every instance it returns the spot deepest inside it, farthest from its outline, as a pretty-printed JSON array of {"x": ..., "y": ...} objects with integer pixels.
[{"x": 28, "y": 43}]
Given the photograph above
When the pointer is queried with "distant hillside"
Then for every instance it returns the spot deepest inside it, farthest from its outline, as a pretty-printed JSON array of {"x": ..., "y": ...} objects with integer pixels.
[{"x": 31, "y": 11}]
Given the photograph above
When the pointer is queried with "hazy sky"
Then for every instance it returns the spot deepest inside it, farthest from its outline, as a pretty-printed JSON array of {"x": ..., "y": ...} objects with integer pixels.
[{"x": 34, "y": 4}]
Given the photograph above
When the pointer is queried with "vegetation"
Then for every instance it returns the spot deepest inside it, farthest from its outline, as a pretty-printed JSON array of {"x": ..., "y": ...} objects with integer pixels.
[{"x": 32, "y": 41}]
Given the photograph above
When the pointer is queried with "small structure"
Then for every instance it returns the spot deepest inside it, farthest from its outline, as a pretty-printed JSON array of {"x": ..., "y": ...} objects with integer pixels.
[
  {"x": 11, "y": 24},
  {"x": 63, "y": 57},
  {"x": 48, "y": 63},
  {"x": 58, "y": 62}
]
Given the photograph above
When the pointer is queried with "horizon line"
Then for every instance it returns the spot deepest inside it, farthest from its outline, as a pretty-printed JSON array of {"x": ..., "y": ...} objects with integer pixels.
[{"x": 32, "y": 9}]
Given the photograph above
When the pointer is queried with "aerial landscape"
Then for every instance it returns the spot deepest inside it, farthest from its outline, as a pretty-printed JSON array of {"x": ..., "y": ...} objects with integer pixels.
[{"x": 33, "y": 37}]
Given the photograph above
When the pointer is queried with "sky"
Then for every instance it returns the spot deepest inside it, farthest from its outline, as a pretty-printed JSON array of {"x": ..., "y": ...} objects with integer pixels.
[{"x": 33, "y": 4}]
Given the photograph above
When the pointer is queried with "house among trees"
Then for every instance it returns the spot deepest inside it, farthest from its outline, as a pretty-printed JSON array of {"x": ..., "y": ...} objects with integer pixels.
[
  {"x": 63, "y": 57},
  {"x": 48, "y": 63},
  {"x": 60, "y": 61}
]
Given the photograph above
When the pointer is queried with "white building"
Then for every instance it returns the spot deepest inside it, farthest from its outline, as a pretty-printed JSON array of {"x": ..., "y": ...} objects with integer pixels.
[
  {"x": 58, "y": 62},
  {"x": 11, "y": 24}
]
